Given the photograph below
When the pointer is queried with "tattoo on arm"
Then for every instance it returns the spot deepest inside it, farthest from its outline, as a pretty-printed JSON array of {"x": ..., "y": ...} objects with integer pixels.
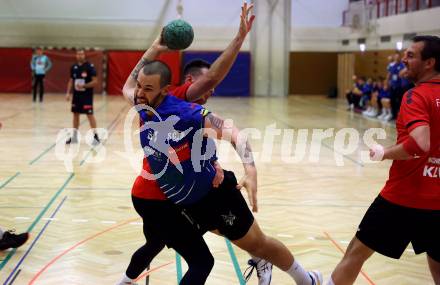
[
  {"x": 247, "y": 155},
  {"x": 216, "y": 122},
  {"x": 242, "y": 146},
  {"x": 138, "y": 68}
]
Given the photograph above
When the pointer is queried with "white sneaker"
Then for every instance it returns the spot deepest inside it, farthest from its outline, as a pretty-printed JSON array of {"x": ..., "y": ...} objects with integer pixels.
[
  {"x": 388, "y": 117},
  {"x": 373, "y": 113},
  {"x": 264, "y": 271},
  {"x": 383, "y": 114},
  {"x": 366, "y": 112},
  {"x": 316, "y": 277}
]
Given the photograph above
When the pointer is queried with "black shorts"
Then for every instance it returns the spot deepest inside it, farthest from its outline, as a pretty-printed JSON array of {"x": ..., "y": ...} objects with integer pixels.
[
  {"x": 167, "y": 223},
  {"x": 82, "y": 104},
  {"x": 388, "y": 228},
  {"x": 223, "y": 209}
]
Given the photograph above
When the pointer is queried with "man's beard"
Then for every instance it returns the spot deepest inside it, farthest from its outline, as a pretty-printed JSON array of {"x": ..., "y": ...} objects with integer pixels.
[{"x": 147, "y": 102}]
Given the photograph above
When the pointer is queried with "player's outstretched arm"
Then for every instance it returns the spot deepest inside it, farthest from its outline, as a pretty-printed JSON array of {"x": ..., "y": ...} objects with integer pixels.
[
  {"x": 221, "y": 66},
  {"x": 216, "y": 126},
  {"x": 150, "y": 54},
  {"x": 417, "y": 144}
]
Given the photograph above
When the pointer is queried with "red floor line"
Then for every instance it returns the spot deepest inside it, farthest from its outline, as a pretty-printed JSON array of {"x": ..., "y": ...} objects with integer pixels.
[
  {"x": 343, "y": 252},
  {"x": 55, "y": 259},
  {"x": 147, "y": 273}
]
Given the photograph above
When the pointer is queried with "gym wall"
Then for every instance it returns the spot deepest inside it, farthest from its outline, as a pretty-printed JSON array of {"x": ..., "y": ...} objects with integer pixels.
[
  {"x": 372, "y": 63},
  {"x": 121, "y": 63},
  {"x": 312, "y": 73},
  {"x": 237, "y": 82},
  {"x": 15, "y": 74}
]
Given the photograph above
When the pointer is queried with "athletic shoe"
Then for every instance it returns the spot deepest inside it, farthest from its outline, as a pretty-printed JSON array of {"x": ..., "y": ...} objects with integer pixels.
[
  {"x": 264, "y": 271},
  {"x": 72, "y": 140},
  {"x": 383, "y": 114},
  {"x": 96, "y": 140},
  {"x": 316, "y": 277},
  {"x": 388, "y": 117},
  {"x": 11, "y": 240},
  {"x": 366, "y": 112},
  {"x": 373, "y": 113}
]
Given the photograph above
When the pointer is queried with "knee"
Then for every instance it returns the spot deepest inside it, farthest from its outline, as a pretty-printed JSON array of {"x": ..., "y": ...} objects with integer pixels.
[
  {"x": 258, "y": 246},
  {"x": 357, "y": 252},
  {"x": 202, "y": 263}
]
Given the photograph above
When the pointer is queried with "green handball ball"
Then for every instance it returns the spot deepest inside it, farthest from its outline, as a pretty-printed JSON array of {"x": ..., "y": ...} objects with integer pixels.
[{"x": 178, "y": 35}]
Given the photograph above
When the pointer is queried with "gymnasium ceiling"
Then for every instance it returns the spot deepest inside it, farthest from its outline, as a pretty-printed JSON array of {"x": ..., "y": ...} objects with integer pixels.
[{"x": 306, "y": 13}]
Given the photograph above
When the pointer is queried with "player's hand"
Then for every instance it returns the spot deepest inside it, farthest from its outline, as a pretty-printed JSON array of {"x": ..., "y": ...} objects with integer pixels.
[
  {"x": 246, "y": 20},
  {"x": 68, "y": 96},
  {"x": 249, "y": 181},
  {"x": 159, "y": 44},
  {"x": 219, "y": 175},
  {"x": 377, "y": 152}
]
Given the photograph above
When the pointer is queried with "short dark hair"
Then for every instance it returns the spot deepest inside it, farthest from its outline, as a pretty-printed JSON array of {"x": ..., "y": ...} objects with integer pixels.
[
  {"x": 158, "y": 67},
  {"x": 431, "y": 49},
  {"x": 194, "y": 67}
]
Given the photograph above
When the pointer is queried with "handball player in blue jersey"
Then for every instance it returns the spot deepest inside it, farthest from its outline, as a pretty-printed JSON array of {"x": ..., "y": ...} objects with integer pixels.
[{"x": 173, "y": 137}]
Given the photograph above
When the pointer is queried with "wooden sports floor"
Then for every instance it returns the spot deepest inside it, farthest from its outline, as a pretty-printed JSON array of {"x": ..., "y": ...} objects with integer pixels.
[{"x": 84, "y": 228}]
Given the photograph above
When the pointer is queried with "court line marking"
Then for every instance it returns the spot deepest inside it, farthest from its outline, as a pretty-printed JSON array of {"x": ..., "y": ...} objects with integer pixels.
[
  {"x": 35, "y": 241},
  {"x": 148, "y": 272},
  {"x": 41, "y": 155},
  {"x": 12, "y": 253},
  {"x": 324, "y": 144},
  {"x": 235, "y": 263},
  {"x": 110, "y": 127},
  {"x": 358, "y": 115},
  {"x": 56, "y": 258},
  {"x": 15, "y": 276},
  {"x": 343, "y": 252},
  {"x": 10, "y": 179},
  {"x": 54, "y": 144},
  {"x": 2, "y": 119},
  {"x": 178, "y": 268},
  {"x": 38, "y": 218},
  {"x": 19, "y": 207}
]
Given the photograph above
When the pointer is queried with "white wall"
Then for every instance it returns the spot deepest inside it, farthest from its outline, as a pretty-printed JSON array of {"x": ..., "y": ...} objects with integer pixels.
[
  {"x": 117, "y": 24},
  {"x": 130, "y": 24},
  {"x": 317, "y": 13}
]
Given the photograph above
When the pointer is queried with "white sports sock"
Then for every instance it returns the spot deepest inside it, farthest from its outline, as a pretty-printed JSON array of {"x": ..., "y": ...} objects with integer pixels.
[
  {"x": 125, "y": 280},
  {"x": 330, "y": 281},
  {"x": 298, "y": 273}
]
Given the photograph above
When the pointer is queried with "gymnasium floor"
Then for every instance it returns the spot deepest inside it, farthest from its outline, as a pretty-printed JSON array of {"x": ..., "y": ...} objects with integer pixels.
[{"x": 84, "y": 228}]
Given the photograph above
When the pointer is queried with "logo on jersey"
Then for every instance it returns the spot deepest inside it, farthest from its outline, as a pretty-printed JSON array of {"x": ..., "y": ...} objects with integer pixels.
[
  {"x": 204, "y": 112},
  {"x": 431, "y": 171},
  {"x": 161, "y": 133},
  {"x": 229, "y": 219}
]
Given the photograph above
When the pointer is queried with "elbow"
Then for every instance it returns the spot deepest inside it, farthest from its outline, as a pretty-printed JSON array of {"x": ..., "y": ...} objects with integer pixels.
[
  {"x": 425, "y": 146},
  {"x": 211, "y": 81}
]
